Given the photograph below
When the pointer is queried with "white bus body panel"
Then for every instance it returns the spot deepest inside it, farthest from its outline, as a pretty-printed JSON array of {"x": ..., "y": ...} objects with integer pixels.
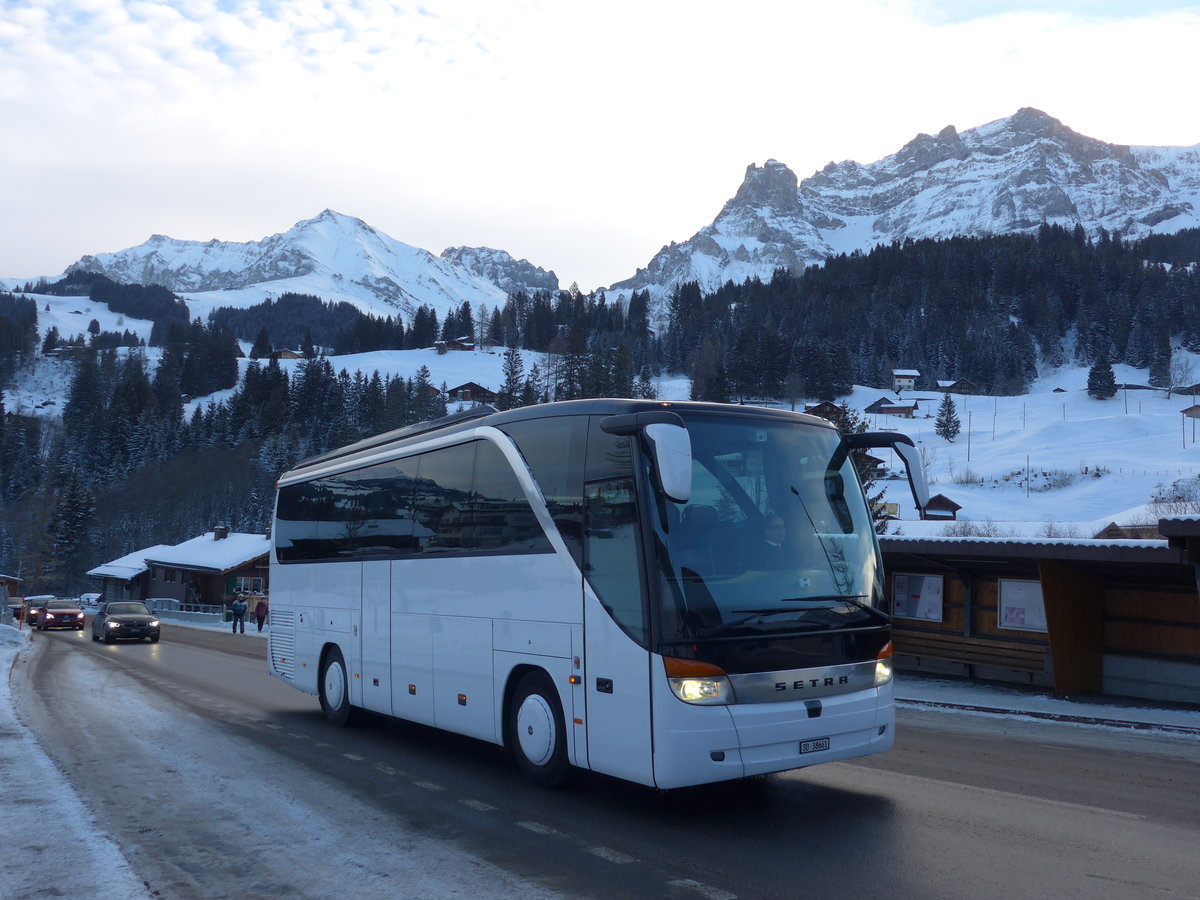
[
  {"x": 412, "y": 667},
  {"x": 617, "y": 719},
  {"x": 332, "y": 618},
  {"x": 759, "y": 738},
  {"x": 376, "y": 645}
]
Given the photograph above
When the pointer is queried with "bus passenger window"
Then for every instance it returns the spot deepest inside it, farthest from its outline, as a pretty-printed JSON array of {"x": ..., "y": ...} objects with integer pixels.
[
  {"x": 500, "y": 515},
  {"x": 441, "y": 504}
]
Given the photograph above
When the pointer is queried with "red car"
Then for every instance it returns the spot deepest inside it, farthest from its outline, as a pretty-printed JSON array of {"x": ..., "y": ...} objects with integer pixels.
[{"x": 59, "y": 614}]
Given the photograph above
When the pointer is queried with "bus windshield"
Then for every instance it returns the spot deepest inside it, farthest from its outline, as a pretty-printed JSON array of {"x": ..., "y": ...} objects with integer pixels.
[{"x": 775, "y": 539}]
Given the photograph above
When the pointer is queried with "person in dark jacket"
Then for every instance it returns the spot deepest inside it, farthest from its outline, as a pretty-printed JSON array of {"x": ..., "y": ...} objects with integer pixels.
[
  {"x": 239, "y": 614},
  {"x": 260, "y": 612}
]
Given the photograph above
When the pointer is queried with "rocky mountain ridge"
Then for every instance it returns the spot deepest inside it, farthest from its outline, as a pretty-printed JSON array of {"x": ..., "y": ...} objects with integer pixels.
[{"x": 1007, "y": 176}]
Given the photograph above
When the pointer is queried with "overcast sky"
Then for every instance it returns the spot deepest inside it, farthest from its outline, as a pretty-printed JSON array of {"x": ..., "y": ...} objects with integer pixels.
[{"x": 581, "y": 136}]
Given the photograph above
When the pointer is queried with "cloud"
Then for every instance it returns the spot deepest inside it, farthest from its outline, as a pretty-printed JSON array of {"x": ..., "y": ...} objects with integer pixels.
[
  {"x": 580, "y": 136},
  {"x": 942, "y": 12}
]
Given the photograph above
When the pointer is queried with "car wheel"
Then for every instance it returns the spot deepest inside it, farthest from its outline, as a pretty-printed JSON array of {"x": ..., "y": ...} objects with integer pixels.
[
  {"x": 335, "y": 690},
  {"x": 108, "y": 638},
  {"x": 535, "y": 729},
  {"x": 154, "y": 640}
]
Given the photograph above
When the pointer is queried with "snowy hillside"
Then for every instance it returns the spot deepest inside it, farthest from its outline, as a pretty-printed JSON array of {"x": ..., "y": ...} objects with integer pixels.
[
  {"x": 1006, "y": 176},
  {"x": 1091, "y": 462}
]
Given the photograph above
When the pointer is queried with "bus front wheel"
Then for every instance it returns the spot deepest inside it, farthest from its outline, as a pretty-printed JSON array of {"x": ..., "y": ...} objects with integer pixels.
[
  {"x": 335, "y": 689},
  {"x": 536, "y": 730}
]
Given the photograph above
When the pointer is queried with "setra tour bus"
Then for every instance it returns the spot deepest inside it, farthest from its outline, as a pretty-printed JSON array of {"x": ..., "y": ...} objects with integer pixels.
[{"x": 669, "y": 593}]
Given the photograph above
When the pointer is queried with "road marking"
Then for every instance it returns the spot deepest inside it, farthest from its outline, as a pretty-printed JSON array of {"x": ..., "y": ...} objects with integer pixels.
[
  {"x": 613, "y": 856},
  {"x": 477, "y": 804},
  {"x": 386, "y": 770},
  {"x": 704, "y": 890},
  {"x": 429, "y": 785},
  {"x": 297, "y": 736},
  {"x": 537, "y": 827},
  {"x": 354, "y": 757}
]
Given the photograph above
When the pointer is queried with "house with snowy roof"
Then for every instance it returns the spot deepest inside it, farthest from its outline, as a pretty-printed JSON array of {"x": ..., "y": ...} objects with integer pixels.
[
  {"x": 126, "y": 577},
  {"x": 10, "y": 586},
  {"x": 211, "y": 569},
  {"x": 958, "y": 386},
  {"x": 904, "y": 379}
]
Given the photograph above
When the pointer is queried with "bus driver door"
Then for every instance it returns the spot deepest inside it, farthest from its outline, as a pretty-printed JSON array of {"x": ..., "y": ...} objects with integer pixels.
[{"x": 616, "y": 671}]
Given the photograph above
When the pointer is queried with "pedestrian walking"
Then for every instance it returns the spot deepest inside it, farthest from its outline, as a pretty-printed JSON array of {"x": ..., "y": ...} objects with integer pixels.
[
  {"x": 260, "y": 612},
  {"x": 239, "y": 614}
]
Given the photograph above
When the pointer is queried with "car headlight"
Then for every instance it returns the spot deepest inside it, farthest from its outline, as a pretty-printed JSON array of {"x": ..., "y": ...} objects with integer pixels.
[
  {"x": 883, "y": 666},
  {"x": 698, "y": 682},
  {"x": 154, "y": 623},
  {"x": 112, "y": 624}
]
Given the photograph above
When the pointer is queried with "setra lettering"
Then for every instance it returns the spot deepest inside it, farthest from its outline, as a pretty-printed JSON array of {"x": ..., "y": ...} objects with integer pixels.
[{"x": 802, "y": 684}]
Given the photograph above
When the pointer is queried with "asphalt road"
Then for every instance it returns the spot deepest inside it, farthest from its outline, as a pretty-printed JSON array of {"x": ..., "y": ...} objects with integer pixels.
[{"x": 187, "y": 751}]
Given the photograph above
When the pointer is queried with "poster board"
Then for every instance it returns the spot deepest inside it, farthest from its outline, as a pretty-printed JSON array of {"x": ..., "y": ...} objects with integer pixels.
[
  {"x": 1020, "y": 606},
  {"x": 917, "y": 597}
]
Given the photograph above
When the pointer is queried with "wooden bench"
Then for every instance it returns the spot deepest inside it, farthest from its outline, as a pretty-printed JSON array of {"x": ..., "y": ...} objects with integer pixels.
[{"x": 982, "y": 651}]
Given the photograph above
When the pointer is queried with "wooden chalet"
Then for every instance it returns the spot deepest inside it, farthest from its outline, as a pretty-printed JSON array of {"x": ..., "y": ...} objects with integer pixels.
[
  {"x": 826, "y": 409},
  {"x": 470, "y": 392},
  {"x": 958, "y": 386},
  {"x": 1113, "y": 531},
  {"x": 941, "y": 507},
  {"x": 211, "y": 569}
]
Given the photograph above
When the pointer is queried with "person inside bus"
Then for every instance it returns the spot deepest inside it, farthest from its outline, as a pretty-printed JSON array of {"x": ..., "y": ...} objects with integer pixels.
[{"x": 767, "y": 551}]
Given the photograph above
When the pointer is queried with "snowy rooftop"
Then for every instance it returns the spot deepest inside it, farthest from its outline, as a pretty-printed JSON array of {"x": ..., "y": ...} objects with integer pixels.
[
  {"x": 213, "y": 554},
  {"x": 128, "y": 566}
]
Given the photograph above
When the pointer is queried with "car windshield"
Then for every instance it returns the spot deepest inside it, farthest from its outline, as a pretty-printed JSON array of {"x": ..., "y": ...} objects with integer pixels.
[
  {"x": 62, "y": 604},
  {"x": 775, "y": 537},
  {"x": 120, "y": 608}
]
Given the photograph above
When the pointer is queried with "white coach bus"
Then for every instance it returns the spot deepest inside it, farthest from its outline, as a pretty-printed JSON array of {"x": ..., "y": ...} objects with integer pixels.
[{"x": 670, "y": 593}]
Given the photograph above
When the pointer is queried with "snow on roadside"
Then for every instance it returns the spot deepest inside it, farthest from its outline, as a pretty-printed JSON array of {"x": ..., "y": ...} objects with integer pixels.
[{"x": 40, "y": 813}]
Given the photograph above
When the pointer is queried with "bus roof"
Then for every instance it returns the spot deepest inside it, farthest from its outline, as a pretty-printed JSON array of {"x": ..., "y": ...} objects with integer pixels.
[{"x": 488, "y": 415}]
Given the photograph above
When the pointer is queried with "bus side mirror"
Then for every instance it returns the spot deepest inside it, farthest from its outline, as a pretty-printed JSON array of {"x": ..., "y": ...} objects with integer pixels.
[
  {"x": 669, "y": 446},
  {"x": 915, "y": 466},
  {"x": 672, "y": 449},
  {"x": 907, "y": 451}
]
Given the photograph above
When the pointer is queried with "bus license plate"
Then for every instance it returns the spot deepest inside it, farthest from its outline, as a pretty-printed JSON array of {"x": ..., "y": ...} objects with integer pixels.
[{"x": 814, "y": 745}]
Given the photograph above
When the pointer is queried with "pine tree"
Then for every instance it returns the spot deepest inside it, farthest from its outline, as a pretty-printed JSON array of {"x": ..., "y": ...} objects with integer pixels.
[
  {"x": 947, "y": 424},
  {"x": 514, "y": 380},
  {"x": 1101, "y": 383},
  {"x": 262, "y": 345}
]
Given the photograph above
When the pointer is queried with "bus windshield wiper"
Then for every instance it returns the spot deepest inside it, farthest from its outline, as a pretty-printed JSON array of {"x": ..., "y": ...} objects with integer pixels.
[
  {"x": 855, "y": 600},
  {"x": 867, "y": 607}
]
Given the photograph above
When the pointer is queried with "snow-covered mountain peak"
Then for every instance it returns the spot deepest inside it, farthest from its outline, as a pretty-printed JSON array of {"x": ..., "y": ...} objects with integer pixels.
[
  {"x": 1008, "y": 175},
  {"x": 332, "y": 255}
]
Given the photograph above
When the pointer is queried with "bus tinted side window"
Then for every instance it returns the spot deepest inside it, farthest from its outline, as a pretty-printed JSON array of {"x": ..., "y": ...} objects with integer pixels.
[
  {"x": 443, "y": 492},
  {"x": 554, "y": 451},
  {"x": 500, "y": 515},
  {"x": 458, "y": 500}
]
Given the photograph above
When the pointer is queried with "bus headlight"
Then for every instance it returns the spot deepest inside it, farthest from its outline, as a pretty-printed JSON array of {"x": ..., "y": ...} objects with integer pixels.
[
  {"x": 883, "y": 666},
  {"x": 698, "y": 682}
]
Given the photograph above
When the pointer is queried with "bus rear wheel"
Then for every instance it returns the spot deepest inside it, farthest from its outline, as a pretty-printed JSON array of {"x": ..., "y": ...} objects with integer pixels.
[
  {"x": 335, "y": 689},
  {"x": 536, "y": 731}
]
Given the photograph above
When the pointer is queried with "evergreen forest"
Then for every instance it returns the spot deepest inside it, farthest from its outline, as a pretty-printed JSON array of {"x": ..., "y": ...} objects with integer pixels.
[{"x": 123, "y": 468}]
